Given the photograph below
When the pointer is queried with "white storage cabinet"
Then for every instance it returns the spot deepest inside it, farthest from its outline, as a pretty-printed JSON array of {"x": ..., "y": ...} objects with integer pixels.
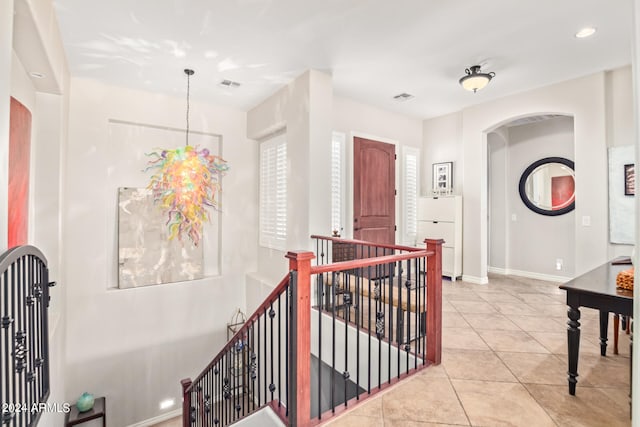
[{"x": 440, "y": 217}]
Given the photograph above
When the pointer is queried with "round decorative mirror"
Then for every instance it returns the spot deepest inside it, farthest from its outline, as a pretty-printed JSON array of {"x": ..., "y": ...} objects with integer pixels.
[{"x": 547, "y": 186}]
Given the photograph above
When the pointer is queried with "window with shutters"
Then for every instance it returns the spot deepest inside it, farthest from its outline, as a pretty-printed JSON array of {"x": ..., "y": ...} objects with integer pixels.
[
  {"x": 337, "y": 182},
  {"x": 273, "y": 192},
  {"x": 410, "y": 186}
]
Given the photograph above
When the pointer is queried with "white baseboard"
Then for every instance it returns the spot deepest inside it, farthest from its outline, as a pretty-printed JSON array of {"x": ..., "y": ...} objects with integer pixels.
[
  {"x": 528, "y": 274},
  {"x": 475, "y": 279},
  {"x": 160, "y": 418}
]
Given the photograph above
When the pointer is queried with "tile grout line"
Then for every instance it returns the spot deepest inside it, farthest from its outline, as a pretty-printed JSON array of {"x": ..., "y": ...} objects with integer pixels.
[{"x": 507, "y": 366}]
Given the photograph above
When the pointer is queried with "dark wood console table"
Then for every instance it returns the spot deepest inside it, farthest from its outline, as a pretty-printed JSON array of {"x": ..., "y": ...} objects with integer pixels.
[{"x": 594, "y": 289}]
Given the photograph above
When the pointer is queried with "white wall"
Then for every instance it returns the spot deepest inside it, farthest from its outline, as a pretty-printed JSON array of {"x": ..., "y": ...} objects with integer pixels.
[
  {"x": 304, "y": 108},
  {"x": 536, "y": 241},
  {"x": 352, "y": 118},
  {"x": 37, "y": 47},
  {"x": 499, "y": 225},
  {"x": 135, "y": 345},
  {"x": 6, "y": 54},
  {"x": 442, "y": 138},
  {"x": 620, "y": 123},
  {"x": 582, "y": 98}
]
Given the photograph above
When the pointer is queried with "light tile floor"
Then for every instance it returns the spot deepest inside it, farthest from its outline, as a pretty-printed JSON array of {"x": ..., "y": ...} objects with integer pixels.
[{"x": 504, "y": 363}]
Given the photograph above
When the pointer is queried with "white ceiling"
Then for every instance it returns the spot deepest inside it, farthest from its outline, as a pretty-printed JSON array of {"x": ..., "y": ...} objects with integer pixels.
[{"x": 374, "y": 49}]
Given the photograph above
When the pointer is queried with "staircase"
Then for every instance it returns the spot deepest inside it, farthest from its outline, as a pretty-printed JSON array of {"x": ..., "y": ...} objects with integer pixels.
[{"x": 345, "y": 323}]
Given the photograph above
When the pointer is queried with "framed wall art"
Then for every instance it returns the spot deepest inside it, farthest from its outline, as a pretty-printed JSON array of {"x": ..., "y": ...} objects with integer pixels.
[{"x": 442, "y": 177}]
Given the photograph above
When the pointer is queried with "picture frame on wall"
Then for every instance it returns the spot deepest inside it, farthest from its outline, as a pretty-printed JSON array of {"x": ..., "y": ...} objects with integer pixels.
[
  {"x": 442, "y": 177},
  {"x": 629, "y": 179}
]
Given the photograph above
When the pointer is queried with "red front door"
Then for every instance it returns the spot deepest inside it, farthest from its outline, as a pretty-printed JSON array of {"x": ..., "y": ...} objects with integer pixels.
[{"x": 374, "y": 191}]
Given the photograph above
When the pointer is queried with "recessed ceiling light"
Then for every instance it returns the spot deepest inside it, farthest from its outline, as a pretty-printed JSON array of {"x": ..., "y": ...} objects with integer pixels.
[
  {"x": 586, "y": 32},
  {"x": 403, "y": 97},
  {"x": 37, "y": 75}
]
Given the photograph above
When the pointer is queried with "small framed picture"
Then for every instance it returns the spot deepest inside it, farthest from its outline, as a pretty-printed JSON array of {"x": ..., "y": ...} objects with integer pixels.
[
  {"x": 629, "y": 180},
  {"x": 442, "y": 177}
]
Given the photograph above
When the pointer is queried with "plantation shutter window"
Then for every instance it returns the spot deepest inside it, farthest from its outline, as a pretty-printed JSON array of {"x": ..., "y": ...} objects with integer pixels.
[
  {"x": 410, "y": 181},
  {"x": 273, "y": 192},
  {"x": 337, "y": 182}
]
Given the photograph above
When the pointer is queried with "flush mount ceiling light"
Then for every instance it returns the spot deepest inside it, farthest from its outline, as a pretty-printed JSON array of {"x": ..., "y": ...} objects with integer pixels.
[
  {"x": 586, "y": 32},
  {"x": 475, "y": 79}
]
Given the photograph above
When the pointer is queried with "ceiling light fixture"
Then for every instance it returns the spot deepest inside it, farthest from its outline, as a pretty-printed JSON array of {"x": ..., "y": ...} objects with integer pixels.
[
  {"x": 586, "y": 32},
  {"x": 186, "y": 183},
  {"x": 475, "y": 79},
  {"x": 37, "y": 75}
]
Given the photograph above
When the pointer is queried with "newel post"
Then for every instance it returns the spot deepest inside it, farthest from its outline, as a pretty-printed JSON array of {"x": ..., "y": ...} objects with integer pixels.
[
  {"x": 299, "y": 395},
  {"x": 434, "y": 300},
  {"x": 186, "y": 402}
]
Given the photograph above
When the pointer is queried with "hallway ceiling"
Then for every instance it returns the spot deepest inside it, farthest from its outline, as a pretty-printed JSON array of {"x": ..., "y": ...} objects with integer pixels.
[{"x": 374, "y": 49}]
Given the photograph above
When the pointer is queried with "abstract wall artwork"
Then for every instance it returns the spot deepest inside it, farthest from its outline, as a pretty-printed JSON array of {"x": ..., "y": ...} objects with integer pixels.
[
  {"x": 146, "y": 256},
  {"x": 19, "y": 154},
  {"x": 126, "y": 154}
]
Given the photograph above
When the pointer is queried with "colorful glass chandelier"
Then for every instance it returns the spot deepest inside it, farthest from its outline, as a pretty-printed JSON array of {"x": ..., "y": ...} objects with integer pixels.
[{"x": 186, "y": 182}]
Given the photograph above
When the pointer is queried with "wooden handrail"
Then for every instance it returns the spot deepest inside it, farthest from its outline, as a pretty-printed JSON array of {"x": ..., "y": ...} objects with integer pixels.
[
  {"x": 297, "y": 286},
  {"x": 367, "y": 262},
  {"x": 272, "y": 296},
  {"x": 366, "y": 243}
]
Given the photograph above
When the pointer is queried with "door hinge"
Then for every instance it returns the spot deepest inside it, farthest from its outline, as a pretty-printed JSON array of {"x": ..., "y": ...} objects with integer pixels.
[
  {"x": 395, "y": 192},
  {"x": 395, "y": 228},
  {"x": 395, "y": 157}
]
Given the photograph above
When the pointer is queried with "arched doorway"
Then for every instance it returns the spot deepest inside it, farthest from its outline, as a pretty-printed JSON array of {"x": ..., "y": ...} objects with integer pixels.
[{"x": 520, "y": 241}]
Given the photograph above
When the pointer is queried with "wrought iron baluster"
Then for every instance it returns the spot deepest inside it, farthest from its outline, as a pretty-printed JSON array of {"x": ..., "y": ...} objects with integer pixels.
[
  {"x": 287, "y": 334},
  {"x": 407, "y": 346},
  {"x": 346, "y": 302},
  {"x": 389, "y": 280},
  {"x": 399, "y": 331},
  {"x": 217, "y": 394},
  {"x": 264, "y": 347},
  {"x": 279, "y": 351},
  {"x": 333, "y": 338},
  {"x": 272, "y": 313},
  {"x": 358, "y": 318},
  {"x": 260, "y": 364}
]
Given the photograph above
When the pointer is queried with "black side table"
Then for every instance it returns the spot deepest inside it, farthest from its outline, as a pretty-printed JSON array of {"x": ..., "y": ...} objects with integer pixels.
[{"x": 75, "y": 417}]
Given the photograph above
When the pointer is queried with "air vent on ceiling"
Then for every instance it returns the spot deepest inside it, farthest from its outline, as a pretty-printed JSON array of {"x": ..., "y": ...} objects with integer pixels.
[
  {"x": 229, "y": 84},
  {"x": 403, "y": 97}
]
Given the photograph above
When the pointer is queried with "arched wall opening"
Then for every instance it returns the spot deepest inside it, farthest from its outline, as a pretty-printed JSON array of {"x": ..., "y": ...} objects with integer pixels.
[
  {"x": 584, "y": 100},
  {"x": 519, "y": 240}
]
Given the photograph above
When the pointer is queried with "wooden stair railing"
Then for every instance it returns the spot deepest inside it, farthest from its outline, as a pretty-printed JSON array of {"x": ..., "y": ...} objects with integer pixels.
[{"x": 268, "y": 361}]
